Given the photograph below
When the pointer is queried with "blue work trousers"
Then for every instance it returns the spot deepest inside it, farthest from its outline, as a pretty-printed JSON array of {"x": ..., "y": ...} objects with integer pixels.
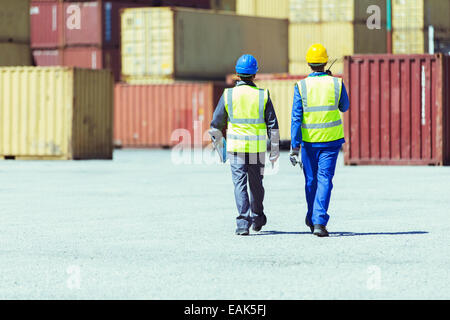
[
  {"x": 319, "y": 165},
  {"x": 248, "y": 170}
]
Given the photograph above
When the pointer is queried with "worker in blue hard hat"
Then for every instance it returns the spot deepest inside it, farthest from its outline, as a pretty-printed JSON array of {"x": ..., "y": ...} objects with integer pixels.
[
  {"x": 248, "y": 113},
  {"x": 317, "y": 129}
]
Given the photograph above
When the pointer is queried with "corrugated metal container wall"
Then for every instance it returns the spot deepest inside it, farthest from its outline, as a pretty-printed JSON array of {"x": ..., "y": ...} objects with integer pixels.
[
  {"x": 80, "y": 57},
  {"x": 147, "y": 115},
  {"x": 164, "y": 43},
  {"x": 263, "y": 8},
  {"x": 93, "y": 23},
  {"x": 334, "y": 10},
  {"x": 15, "y": 21},
  {"x": 55, "y": 113},
  {"x": 418, "y": 14},
  {"x": 46, "y": 24},
  {"x": 93, "y": 58},
  {"x": 340, "y": 39},
  {"x": 282, "y": 96},
  {"x": 14, "y": 54},
  {"x": 399, "y": 112}
]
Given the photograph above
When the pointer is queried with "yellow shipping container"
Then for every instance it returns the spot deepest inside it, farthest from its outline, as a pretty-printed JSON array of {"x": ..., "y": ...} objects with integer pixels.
[
  {"x": 175, "y": 43},
  {"x": 418, "y": 14},
  {"x": 15, "y": 54},
  {"x": 263, "y": 8},
  {"x": 305, "y": 11},
  {"x": 15, "y": 21},
  {"x": 416, "y": 41},
  {"x": 55, "y": 113},
  {"x": 351, "y": 10},
  {"x": 282, "y": 96},
  {"x": 302, "y": 68},
  {"x": 340, "y": 39}
]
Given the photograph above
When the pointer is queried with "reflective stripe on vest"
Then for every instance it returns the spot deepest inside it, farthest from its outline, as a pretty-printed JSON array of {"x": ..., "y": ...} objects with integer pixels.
[
  {"x": 247, "y": 129},
  {"x": 321, "y": 118}
]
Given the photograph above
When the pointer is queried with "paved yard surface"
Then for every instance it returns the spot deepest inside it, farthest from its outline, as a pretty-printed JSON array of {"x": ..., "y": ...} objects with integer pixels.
[{"x": 142, "y": 227}]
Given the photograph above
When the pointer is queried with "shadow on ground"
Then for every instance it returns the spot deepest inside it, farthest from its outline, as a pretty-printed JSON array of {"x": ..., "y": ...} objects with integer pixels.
[{"x": 342, "y": 234}]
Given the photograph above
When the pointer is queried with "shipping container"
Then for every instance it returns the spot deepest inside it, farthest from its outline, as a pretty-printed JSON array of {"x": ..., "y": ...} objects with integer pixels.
[
  {"x": 15, "y": 21},
  {"x": 399, "y": 110},
  {"x": 340, "y": 39},
  {"x": 148, "y": 115},
  {"x": 174, "y": 43},
  {"x": 55, "y": 113},
  {"x": 92, "y": 23},
  {"x": 263, "y": 8},
  {"x": 305, "y": 11},
  {"x": 417, "y": 41},
  {"x": 80, "y": 57},
  {"x": 336, "y": 10},
  {"x": 232, "y": 78},
  {"x": 15, "y": 54},
  {"x": 46, "y": 19},
  {"x": 419, "y": 14},
  {"x": 223, "y": 5},
  {"x": 282, "y": 96}
]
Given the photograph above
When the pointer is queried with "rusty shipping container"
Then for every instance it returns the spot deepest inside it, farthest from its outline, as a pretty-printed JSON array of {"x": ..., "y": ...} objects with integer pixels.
[
  {"x": 148, "y": 115},
  {"x": 56, "y": 113},
  {"x": 399, "y": 110}
]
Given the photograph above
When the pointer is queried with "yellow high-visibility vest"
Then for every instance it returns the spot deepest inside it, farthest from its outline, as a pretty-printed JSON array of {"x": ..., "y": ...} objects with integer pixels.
[
  {"x": 321, "y": 118},
  {"x": 247, "y": 130}
]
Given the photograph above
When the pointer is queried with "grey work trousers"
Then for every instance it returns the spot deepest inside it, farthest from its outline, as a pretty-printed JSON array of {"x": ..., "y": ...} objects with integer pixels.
[{"x": 248, "y": 168}]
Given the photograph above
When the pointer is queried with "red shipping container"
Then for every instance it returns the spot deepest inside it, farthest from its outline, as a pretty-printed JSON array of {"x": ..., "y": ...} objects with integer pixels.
[
  {"x": 48, "y": 58},
  {"x": 94, "y": 58},
  {"x": 93, "y": 23},
  {"x": 147, "y": 115},
  {"x": 81, "y": 57},
  {"x": 46, "y": 19},
  {"x": 399, "y": 110}
]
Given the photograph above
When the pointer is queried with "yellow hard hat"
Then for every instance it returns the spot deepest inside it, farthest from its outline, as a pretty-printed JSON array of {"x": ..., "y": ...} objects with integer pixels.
[{"x": 317, "y": 54}]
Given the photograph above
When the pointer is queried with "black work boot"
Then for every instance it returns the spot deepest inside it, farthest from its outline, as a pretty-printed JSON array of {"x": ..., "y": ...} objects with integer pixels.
[
  {"x": 258, "y": 227},
  {"x": 311, "y": 227},
  {"x": 320, "y": 230},
  {"x": 242, "y": 232}
]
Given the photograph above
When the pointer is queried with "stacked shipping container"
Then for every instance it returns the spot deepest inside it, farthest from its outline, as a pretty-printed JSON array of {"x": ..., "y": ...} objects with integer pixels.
[
  {"x": 340, "y": 25},
  {"x": 15, "y": 33},
  {"x": 420, "y": 26}
]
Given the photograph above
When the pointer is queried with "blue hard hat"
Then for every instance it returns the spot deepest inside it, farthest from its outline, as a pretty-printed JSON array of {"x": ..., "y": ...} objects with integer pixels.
[{"x": 246, "y": 65}]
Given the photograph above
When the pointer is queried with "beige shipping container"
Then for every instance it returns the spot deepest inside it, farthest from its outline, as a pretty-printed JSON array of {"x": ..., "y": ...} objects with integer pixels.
[
  {"x": 56, "y": 113},
  {"x": 15, "y": 21},
  {"x": 175, "y": 43},
  {"x": 282, "y": 96},
  {"x": 418, "y": 14},
  {"x": 416, "y": 41},
  {"x": 340, "y": 39},
  {"x": 335, "y": 10},
  {"x": 15, "y": 54},
  {"x": 263, "y": 8}
]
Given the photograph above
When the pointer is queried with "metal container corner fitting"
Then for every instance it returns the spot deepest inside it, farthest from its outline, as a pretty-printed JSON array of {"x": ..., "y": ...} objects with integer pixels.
[
  {"x": 56, "y": 113},
  {"x": 399, "y": 110},
  {"x": 148, "y": 115}
]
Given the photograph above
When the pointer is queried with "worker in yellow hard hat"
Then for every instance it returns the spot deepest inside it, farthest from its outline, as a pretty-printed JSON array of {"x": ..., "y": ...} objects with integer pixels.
[{"x": 317, "y": 129}]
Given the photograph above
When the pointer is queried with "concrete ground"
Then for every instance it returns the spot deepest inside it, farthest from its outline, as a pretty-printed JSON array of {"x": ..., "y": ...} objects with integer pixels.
[{"x": 143, "y": 227}]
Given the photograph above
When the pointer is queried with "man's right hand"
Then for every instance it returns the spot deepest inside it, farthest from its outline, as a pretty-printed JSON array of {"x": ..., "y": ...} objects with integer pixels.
[{"x": 294, "y": 156}]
